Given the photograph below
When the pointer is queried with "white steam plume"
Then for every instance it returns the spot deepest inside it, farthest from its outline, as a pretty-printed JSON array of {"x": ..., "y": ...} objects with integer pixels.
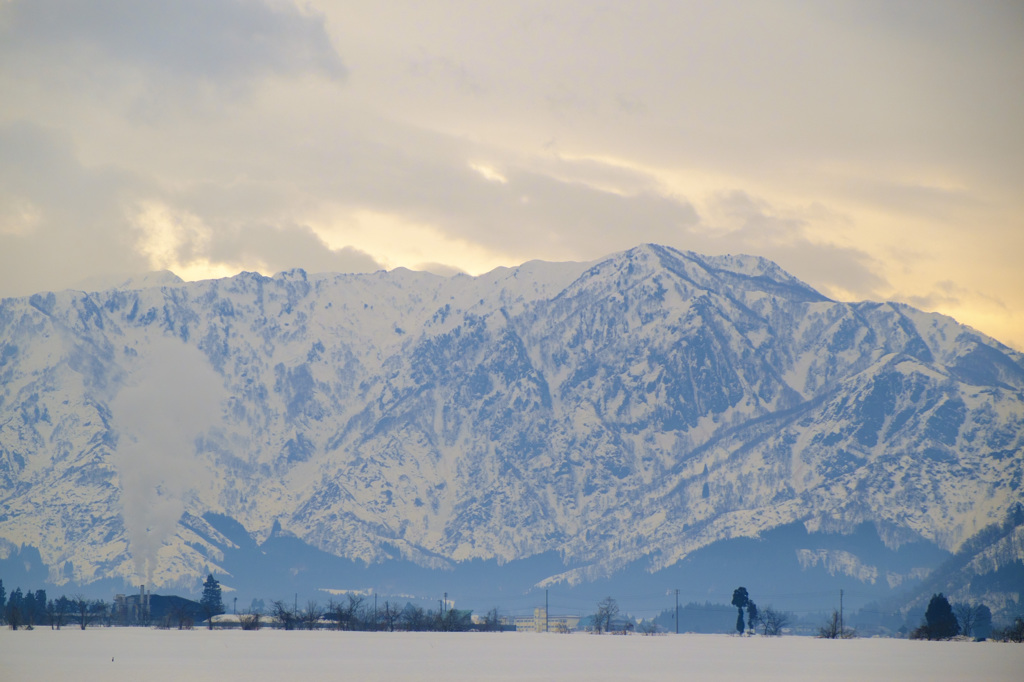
[{"x": 171, "y": 398}]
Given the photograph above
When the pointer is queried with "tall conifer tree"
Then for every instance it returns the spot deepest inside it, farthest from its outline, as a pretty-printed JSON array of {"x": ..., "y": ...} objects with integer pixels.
[{"x": 211, "y": 600}]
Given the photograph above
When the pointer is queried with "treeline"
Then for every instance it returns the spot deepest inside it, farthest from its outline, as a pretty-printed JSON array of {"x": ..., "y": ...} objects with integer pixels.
[
  {"x": 942, "y": 620},
  {"x": 31, "y": 608},
  {"x": 357, "y": 613}
]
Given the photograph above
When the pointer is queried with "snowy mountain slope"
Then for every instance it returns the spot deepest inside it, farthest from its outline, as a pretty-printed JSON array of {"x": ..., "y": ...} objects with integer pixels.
[
  {"x": 988, "y": 568},
  {"x": 634, "y": 409}
]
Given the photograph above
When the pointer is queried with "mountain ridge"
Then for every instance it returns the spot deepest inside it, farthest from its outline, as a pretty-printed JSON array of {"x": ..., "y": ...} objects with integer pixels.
[{"x": 636, "y": 408}]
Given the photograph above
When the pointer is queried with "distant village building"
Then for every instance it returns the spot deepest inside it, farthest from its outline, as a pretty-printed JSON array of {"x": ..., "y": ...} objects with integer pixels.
[{"x": 541, "y": 622}]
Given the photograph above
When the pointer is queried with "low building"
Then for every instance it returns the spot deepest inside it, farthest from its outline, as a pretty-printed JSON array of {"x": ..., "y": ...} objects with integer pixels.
[{"x": 540, "y": 621}]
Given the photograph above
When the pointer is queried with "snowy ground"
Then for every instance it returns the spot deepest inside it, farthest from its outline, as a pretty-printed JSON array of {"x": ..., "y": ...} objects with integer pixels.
[{"x": 116, "y": 654}]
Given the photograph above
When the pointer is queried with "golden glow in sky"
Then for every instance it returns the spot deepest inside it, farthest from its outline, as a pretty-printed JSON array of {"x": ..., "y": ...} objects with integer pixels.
[{"x": 873, "y": 150}]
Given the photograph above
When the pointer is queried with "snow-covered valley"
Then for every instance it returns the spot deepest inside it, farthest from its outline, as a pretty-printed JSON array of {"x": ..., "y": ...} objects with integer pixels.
[{"x": 129, "y": 654}]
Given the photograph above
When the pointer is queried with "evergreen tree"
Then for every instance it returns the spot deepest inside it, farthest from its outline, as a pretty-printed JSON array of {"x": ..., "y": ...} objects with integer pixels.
[
  {"x": 752, "y": 615},
  {"x": 211, "y": 601},
  {"x": 61, "y": 608},
  {"x": 28, "y": 609},
  {"x": 939, "y": 619},
  {"x": 40, "y": 610},
  {"x": 983, "y": 622},
  {"x": 12, "y": 612},
  {"x": 740, "y": 599}
]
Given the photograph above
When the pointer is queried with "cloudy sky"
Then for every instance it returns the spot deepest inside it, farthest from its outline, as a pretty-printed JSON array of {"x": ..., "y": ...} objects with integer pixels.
[{"x": 874, "y": 149}]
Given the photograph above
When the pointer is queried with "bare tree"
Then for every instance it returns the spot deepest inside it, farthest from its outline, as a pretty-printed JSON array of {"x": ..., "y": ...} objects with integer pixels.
[
  {"x": 84, "y": 610},
  {"x": 492, "y": 621},
  {"x": 101, "y": 611},
  {"x": 968, "y": 615},
  {"x": 249, "y": 620},
  {"x": 179, "y": 614},
  {"x": 285, "y": 615},
  {"x": 649, "y": 627},
  {"x": 832, "y": 630},
  {"x": 772, "y": 622},
  {"x": 346, "y": 616},
  {"x": 334, "y": 612},
  {"x": 1011, "y": 633},
  {"x": 414, "y": 619},
  {"x": 607, "y": 610},
  {"x": 311, "y": 615},
  {"x": 355, "y": 611},
  {"x": 389, "y": 616}
]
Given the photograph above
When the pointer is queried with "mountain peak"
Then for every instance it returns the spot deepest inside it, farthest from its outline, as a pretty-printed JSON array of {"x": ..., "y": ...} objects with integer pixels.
[{"x": 624, "y": 412}]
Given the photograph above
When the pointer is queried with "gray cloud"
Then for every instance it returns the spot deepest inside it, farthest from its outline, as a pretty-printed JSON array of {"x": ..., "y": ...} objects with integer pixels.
[
  {"x": 285, "y": 247},
  {"x": 549, "y": 206},
  {"x": 831, "y": 138},
  {"x": 919, "y": 199},
  {"x": 950, "y": 294},
  {"x": 132, "y": 72},
  {"x": 62, "y": 221},
  {"x": 754, "y": 226},
  {"x": 447, "y": 70},
  {"x": 220, "y": 40},
  {"x": 832, "y": 268}
]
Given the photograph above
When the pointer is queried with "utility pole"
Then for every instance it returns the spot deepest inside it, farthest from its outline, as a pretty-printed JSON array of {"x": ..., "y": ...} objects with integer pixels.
[
  {"x": 840, "y": 613},
  {"x": 545, "y": 610},
  {"x": 677, "y": 611}
]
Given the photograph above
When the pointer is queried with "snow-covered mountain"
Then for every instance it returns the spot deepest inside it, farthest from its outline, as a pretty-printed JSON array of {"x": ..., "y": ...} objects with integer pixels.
[{"x": 626, "y": 413}]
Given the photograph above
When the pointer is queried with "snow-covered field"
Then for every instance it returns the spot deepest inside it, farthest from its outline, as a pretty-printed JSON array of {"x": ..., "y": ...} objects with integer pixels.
[{"x": 132, "y": 654}]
